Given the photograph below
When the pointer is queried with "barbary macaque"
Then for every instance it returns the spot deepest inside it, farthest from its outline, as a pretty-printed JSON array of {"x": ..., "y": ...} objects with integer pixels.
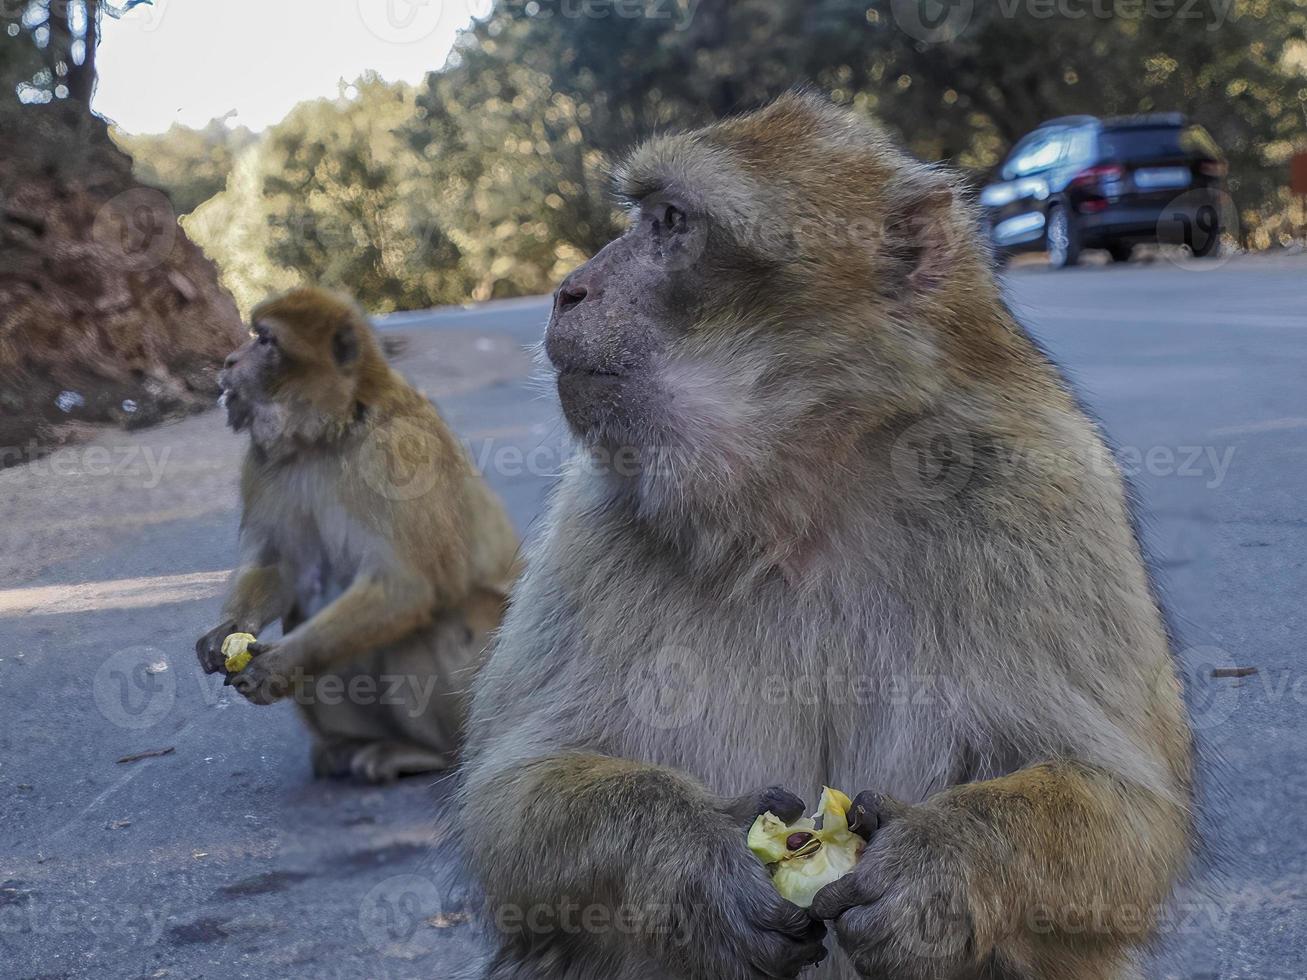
[
  {"x": 839, "y": 522},
  {"x": 367, "y": 531}
]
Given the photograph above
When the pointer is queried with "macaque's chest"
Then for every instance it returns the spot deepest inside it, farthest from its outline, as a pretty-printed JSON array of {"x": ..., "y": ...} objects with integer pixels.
[
  {"x": 312, "y": 537},
  {"x": 729, "y": 691},
  {"x": 765, "y": 689}
]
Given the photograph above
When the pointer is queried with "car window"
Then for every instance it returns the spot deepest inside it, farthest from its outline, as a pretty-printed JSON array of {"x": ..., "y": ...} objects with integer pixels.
[
  {"x": 1141, "y": 142},
  {"x": 1037, "y": 152},
  {"x": 1080, "y": 145}
]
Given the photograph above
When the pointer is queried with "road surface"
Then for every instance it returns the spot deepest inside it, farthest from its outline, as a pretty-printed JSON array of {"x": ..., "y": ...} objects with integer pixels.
[{"x": 220, "y": 857}]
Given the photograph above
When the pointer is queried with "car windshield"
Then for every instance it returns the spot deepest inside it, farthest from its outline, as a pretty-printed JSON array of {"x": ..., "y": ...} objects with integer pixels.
[{"x": 1038, "y": 151}]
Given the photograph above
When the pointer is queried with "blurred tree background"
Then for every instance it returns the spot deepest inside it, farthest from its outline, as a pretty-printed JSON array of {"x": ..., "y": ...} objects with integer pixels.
[
  {"x": 107, "y": 312},
  {"x": 488, "y": 179}
]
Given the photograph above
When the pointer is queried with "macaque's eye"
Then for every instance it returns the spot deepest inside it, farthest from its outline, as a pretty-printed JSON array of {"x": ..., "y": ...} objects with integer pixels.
[
  {"x": 264, "y": 336},
  {"x": 666, "y": 220}
]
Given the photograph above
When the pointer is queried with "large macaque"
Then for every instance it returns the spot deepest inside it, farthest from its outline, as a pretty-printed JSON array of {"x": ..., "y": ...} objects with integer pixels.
[
  {"x": 366, "y": 530},
  {"x": 840, "y": 522}
]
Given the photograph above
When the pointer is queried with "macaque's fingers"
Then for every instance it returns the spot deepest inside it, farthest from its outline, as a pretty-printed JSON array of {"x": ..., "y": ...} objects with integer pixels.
[
  {"x": 838, "y": 897},
  {"x": 256, "y": 648},
  {"x": 871, "y": 811},
  {"x": 866, "y": 936},
  {"x": 784, "y": 959},
  {"x": 261, "y": 684},
  {"x": 746, "y": 809},
  {"x": 798, "y": 925},
  {"x": 208, "y": 648}
]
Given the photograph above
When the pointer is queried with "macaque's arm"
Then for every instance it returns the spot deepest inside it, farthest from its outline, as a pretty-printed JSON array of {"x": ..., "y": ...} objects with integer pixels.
[
  {"x": 1067, "y": 846},
  {"x": 255, "y": 594},
  {"x": 254, "y": 598},
  {"x": 595, "y": 830},
  {"x": 378, "y": 608}
]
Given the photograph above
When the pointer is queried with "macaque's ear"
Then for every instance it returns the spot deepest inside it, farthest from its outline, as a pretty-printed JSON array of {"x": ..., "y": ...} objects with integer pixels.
[
  {"x": 345, "y": 345},
  {"x": 920, "y": 234}
]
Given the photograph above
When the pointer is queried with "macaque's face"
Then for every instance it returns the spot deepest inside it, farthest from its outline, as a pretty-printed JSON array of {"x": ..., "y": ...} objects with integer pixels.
[
  {"x": 779, "y": 269},
  {"x": 300, "y": 366},
  {"x": 625, "y": 320},
  {"x": 252, "y": 374}
]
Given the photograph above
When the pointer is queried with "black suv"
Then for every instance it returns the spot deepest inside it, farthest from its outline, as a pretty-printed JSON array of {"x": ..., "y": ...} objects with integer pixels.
[{"x": 1083, "y": 182}]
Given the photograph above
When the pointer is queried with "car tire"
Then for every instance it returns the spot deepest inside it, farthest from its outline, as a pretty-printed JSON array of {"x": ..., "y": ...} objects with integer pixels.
[
  {"x": 1120, "y": 251},
  {"x": 1061, "y": 238}
]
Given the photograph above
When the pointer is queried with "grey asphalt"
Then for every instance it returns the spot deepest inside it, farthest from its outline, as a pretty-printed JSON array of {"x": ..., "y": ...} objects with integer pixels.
[{"x": 223, "y": 858}]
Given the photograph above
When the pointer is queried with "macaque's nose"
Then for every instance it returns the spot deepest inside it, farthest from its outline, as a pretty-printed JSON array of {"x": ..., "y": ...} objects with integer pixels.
[{"x": 570, "y": 294}]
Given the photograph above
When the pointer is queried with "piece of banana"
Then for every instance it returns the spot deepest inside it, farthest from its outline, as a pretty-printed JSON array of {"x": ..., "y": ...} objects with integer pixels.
[
  {"x": 235, "y": 648},
  {"x": 805, "y": 856}
]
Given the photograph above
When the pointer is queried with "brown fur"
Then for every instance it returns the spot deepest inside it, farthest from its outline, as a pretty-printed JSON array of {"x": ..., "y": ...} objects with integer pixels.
[
  {"x": 367, "y": 531},
  {"x": 872, "y": 542}
]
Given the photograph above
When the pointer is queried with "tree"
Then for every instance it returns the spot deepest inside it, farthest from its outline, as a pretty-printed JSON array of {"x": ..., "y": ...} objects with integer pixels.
[
  {"x": 564, "y": 75},
  {"x": 192, "y": 165},
  {"x": 333, "y": 195},
  {"x": 48, "y": 51}
]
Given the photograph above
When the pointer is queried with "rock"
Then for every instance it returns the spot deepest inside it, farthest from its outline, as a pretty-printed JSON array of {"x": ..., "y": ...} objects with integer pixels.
[{"x": 102, "y": 295}]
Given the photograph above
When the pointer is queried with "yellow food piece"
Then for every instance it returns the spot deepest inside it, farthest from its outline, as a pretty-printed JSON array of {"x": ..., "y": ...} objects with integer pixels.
[
  {"x": 235, "y": 649},
  {"x": 831, "y": 852}
]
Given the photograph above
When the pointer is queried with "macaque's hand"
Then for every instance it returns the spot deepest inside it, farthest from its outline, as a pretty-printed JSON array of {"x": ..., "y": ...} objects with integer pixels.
[
  {"x": 905, "y": 910},
  {"x": 744, "y": 810},
  {"x": 732, "y": 923},
  {"x": 266, "y": 679},
  {"x": 209, "y": 647}
]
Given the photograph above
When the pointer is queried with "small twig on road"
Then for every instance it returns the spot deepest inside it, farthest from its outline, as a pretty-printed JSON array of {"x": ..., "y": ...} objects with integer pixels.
[
  {"x": 150, "y": 754},
  {"x": 1233, "y": 671}
]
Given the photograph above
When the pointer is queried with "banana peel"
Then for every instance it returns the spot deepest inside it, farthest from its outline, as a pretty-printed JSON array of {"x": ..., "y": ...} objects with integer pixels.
[
  {"x": 235, "y": 650},
  {"x": 805, "y": 856}
]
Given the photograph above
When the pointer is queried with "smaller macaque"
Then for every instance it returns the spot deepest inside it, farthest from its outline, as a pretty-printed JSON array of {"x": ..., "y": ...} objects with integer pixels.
[
  {"x": 368, "y": 532},
  {"x": 811, "y": 852}
]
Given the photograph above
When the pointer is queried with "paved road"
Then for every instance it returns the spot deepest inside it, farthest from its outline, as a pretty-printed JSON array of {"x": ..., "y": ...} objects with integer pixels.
[{"x": 222, "y": 858}]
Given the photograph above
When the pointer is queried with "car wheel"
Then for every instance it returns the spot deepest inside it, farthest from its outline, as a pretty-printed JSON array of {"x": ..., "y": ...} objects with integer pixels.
[
  {"x": 1120, "y": 251},
  {"x": 1062, "y": 239}
]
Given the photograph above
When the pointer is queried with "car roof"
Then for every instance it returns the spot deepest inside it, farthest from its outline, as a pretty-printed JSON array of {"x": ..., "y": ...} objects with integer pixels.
[{"x": 1149, "y": 120}]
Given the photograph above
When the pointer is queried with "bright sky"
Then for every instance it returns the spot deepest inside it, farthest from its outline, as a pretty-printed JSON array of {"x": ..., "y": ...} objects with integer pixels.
[{"x": 189, "y": 61}]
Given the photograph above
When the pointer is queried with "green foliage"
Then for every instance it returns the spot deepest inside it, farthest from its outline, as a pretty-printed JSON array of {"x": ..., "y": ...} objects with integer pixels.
[
  {"x": 964, "y": 96},
  {"x": 489, "y": 180},
  {"x": 190, "y": 164},
  {"x": 333, "y": 195}
]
